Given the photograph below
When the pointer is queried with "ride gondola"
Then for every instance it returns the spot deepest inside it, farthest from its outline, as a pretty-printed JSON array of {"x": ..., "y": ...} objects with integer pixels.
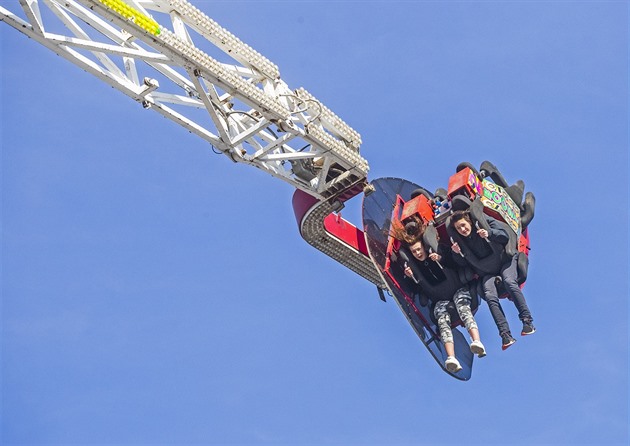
[{"x": 396, "y": 201}]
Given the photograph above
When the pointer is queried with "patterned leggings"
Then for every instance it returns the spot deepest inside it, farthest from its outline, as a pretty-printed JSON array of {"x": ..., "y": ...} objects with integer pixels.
[{"x": 462, "y": 300}]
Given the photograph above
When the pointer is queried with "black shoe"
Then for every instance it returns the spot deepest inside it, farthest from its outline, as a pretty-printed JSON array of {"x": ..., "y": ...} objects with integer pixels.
[
  {"x": 507, "y": 340},
  {"x": 528, "y": 328}
]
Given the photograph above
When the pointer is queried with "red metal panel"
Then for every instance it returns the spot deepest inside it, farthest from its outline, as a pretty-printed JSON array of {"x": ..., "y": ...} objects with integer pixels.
[
  {"x": 346, "y": 232},
  {"x": 419, "y": 205},
  {"x": 465, "y": 181}
]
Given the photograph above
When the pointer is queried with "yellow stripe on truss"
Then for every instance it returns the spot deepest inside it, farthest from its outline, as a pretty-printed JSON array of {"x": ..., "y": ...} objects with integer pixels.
[{"x": 143, "y": 21}]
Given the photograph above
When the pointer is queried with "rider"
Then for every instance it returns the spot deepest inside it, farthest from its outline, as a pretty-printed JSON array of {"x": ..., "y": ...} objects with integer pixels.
[
  {"x": 440, "y": 283},
  {"x": 489, "y": 252}
]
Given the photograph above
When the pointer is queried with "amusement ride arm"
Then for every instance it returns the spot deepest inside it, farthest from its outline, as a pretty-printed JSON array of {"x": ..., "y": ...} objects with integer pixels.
[{"x": 221, "y": 90}]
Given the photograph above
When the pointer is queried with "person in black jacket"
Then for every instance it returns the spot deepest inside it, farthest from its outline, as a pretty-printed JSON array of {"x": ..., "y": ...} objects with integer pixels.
[
  {"x": 440, "y": 284},
  {"x": 488, "y": 250}
]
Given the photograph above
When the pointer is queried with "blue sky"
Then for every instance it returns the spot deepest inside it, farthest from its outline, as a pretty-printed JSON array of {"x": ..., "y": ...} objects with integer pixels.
[{"x": 153, "y": 292}]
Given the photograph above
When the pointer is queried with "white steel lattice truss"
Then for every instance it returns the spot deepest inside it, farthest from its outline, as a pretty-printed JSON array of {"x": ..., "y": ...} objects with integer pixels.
[
  {"x": 221, "y": 90},
  {"x": 241, "y": 106}
]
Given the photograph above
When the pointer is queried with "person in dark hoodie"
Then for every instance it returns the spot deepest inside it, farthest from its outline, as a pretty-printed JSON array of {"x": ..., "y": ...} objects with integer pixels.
[
  {"x": 486, "y": 247},
  {"x": 441, "y": 284}
]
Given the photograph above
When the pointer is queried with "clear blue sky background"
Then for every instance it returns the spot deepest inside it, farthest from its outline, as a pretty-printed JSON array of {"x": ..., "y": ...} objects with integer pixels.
[{"x": 153, "y": 292}]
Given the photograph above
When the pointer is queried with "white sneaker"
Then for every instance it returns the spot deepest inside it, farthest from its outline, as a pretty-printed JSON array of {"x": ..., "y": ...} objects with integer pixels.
[
  {"x": 452, "y": 364},
  {"x": 478, "y": 349}
]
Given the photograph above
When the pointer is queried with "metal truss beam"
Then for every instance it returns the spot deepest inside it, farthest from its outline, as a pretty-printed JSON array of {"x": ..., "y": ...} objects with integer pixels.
[
  {"x": 205, "y": 79},
  {"x": 172, "y": 58}
]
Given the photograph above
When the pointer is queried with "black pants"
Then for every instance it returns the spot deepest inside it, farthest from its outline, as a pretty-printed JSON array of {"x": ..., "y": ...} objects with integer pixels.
[{"x": 509, "y": 274}]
